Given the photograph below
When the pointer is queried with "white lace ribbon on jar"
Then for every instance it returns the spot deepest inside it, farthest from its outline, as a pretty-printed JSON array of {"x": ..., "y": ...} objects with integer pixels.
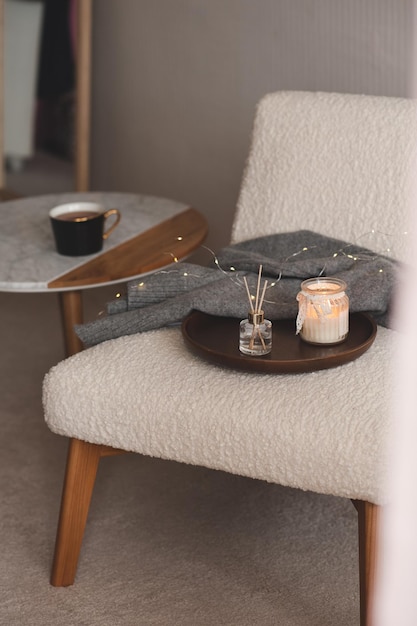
[{"x": 322, "y": 304}]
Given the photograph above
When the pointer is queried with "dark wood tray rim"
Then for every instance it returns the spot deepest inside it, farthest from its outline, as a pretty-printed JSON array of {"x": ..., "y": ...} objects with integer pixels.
[{"x": 216, "y": 339}]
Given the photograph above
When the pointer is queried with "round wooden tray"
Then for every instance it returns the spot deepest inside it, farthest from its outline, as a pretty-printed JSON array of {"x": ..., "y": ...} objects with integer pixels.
[{"x": 216, "y": 339}]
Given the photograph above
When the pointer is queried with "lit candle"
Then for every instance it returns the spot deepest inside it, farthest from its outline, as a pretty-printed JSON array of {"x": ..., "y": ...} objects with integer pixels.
[{"x": 323, "y": 312}]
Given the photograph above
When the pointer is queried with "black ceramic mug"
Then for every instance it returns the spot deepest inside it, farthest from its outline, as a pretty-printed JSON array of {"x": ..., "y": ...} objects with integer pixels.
[{"x": 79, "y": 227}]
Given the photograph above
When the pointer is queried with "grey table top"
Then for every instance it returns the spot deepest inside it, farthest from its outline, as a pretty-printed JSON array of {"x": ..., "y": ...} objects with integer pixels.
[{"x": 28, "y": 259}]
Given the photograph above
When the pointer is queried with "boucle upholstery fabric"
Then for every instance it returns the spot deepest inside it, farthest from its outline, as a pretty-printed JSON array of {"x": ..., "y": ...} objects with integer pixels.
[
  {"x": 336, "y": 164},
  {"x": 320, "y": 431},
  {"x": 331, "y": 163}
]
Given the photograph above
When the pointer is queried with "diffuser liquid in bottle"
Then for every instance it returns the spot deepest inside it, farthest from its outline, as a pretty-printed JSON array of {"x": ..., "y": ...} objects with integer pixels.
[{"x": 255, "y": 335}]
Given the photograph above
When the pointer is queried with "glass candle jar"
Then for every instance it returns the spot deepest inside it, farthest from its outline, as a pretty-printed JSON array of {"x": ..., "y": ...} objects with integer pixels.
[
  {"x": 255, "y": 335},
  {"x": 323, "y": 311}
]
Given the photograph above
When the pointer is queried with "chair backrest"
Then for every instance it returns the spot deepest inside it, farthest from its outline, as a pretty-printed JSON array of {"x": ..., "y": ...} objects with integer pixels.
[{"x": 337, "y": 164}]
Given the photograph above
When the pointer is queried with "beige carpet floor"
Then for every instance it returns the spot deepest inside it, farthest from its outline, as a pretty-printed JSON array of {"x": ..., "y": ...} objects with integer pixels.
[{"x": 166, "y": 544}]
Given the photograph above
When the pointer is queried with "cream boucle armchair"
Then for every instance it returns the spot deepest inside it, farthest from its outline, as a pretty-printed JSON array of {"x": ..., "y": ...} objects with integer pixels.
[{"x": 331, "y": 163}]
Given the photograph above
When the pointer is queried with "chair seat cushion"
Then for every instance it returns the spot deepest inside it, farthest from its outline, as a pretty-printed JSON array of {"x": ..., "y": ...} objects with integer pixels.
[{"x": 322, "y": 431}]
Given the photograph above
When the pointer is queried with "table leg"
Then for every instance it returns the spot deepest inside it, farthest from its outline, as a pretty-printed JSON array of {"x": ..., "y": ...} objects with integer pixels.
[{"x": 71, "y": 313}]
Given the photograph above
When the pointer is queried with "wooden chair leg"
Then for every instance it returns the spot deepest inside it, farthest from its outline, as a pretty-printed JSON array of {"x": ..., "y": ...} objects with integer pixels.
[
  {"x": 368, "y": 518},
  {"x": 82, "y": 463}
]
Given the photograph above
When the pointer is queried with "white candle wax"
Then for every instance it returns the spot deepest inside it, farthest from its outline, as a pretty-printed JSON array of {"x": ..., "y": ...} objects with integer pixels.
[{"x": 330, "y": 328}]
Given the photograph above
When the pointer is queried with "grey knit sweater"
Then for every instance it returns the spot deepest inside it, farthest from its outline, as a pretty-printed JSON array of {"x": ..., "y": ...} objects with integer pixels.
[{"x": 167, "y": 296}]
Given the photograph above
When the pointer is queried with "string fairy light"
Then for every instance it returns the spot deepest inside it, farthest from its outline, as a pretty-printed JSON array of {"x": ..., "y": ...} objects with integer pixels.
[
  {"x": 238, "y": 276},
  {"x": 173, "y": 257}
]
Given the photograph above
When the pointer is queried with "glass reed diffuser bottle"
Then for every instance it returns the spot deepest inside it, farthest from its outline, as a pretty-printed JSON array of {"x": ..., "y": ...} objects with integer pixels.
[{"x": 255, "y": 332}]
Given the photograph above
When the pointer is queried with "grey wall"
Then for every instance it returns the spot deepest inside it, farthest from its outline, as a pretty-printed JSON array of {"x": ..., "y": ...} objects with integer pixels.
[{"x": 176, "y": 82}]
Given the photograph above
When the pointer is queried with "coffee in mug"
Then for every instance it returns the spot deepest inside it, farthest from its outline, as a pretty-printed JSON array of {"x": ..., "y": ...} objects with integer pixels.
[{"x": 79, "y": 227}]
